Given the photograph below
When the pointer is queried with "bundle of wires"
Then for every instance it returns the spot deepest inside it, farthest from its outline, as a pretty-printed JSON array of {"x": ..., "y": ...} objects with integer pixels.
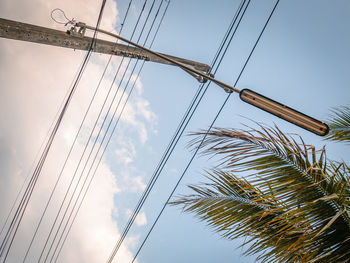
[
  {"x": 183, "y": 124},
  {"x": 77, "y": 191},
  {"x": 198, "y": 97},
  {"x": 15, "y": 222},
  {"x": 104, "y": 126}
]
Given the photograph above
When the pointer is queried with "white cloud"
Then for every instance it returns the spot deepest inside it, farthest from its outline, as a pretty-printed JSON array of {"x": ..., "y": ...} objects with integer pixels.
[
  {"x": 138, "y": 184},
  {"x": 34, "y": 81},
  {"x": 125, "y": 155},
  {"x": 140, "y": 219}
]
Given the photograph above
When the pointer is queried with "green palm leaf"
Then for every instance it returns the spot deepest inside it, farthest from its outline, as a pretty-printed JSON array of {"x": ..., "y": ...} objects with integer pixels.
[
  {"x": 292, "y": 204},
  {"x": 339, "y": 125}
]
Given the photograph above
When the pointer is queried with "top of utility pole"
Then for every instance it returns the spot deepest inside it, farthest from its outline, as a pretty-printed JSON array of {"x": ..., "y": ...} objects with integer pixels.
[{"x": 37, "y": 34}]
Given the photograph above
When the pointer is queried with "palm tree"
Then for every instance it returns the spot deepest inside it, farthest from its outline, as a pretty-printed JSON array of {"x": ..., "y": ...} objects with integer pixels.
[{"x": 288, "y": 200}]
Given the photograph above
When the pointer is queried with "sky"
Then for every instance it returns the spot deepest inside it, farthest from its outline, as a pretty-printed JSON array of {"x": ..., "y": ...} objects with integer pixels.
[{"x": 302, "y": 60}]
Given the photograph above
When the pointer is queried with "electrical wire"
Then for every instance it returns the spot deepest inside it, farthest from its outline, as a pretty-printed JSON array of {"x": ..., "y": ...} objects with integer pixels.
[
  {"x": 84, "y": 168},
  {"x": 68, "y": 21},
  {"x": 94, "y": 173},
  {"x": 211, "y": 125},
  {"x": 41, "y": 148},
  {"x": 103, "y": 139},
  {"x": 71, "y": 182},
  {"x": 35, "y": 174},
  {"x": 217, "y": 66},
  {"x": 161, "y": 164},
  {"x": 26, "y": 197},
  {"x": 74, "y": 141},
  {"x": 115, "y": 125},
  {"x": 151, "y": 27},
  {"x": 33, "y": 182}
]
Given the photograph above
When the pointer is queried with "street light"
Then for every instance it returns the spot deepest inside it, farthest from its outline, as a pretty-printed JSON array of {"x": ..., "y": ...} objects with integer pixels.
[
  {"x": 75, "y": 38},
  {"x": 271, "y": 106},
  {"x": 284, "y": 112}
]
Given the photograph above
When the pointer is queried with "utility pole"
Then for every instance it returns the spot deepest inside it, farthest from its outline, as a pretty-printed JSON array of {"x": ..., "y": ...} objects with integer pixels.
[{"x": 75, "y": 38}]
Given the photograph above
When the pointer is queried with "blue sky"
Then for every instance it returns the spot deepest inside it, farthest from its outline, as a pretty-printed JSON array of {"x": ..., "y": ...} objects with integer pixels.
[{"x": 302, "y": 61}]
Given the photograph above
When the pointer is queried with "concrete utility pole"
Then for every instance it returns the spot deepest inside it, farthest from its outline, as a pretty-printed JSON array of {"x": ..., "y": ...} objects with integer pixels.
[{"x": 76, "y": 40}]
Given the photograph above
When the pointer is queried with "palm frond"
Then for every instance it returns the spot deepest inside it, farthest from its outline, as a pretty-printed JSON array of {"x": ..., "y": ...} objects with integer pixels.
[
  {"x": 293, "y": 203},
  {"x": 339, "y": 125}
]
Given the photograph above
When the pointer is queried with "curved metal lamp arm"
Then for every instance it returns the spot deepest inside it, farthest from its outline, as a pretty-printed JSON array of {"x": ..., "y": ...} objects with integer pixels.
[
  {"x": 228, "y": 88},
  {"x": 255, "y": 99}
]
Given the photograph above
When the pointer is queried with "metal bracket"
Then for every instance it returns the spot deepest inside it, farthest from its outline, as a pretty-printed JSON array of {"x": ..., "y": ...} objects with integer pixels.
[
  {"x": 78, "y": 30},
  {"x": 226, "y": 89},
  {"x": 199, "y": 78}
]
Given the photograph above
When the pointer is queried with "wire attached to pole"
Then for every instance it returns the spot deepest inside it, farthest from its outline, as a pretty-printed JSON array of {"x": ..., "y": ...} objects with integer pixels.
[{"x": 68, "y": 21}]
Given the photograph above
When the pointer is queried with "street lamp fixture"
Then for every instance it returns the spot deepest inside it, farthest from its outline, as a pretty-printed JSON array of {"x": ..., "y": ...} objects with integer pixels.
[
  {"x": 75, "y": 38},
  {"x": 260, "y": 101}
]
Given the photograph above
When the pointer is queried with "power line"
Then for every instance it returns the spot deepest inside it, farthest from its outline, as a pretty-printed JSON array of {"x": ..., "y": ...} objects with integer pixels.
[
  {"x": 103, "y": 139},
  {"x": 216, "y": 57},
  {"x": 186, "y": 118},
  {"x": 211, "y": 125},
  {"x": 74, "y": 142},
  {"x": 73, "y": 194},
  {"x": 35, "y": 174},
  {"x": 85, "y": 148},
  {"x": 115, "y": 125},
  {"x": 37, "y": 155},
  {"x": 26, "y": 197}
]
